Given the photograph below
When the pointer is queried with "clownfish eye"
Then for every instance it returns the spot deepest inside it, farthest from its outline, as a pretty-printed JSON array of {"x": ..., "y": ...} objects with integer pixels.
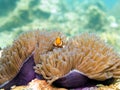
[{"x": 58, "y": 42}]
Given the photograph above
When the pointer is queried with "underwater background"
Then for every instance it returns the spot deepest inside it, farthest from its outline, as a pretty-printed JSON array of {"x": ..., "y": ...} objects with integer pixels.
[{"x": 69, "y": 16}]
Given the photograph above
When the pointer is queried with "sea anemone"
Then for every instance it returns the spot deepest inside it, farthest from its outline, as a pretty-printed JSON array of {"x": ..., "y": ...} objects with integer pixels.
[
  {"x": 14, "y": 56},
  {"x": 72, "y": 63},
  {"x": 85, "y": 58},
  {"x": 17, "y": 61},
  {"x": 99, "y": 61}
]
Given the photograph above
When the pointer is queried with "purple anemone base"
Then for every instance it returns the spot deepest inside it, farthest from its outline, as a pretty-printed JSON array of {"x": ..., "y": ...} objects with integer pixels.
[
  {"x": 75, "y": 80},
  {"x": 25, "y": 75},
  {"x": 72, "y": 80}
]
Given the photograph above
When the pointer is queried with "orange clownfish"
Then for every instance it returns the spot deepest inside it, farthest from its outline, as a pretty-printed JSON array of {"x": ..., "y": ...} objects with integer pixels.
[{"x": 58, "y": 42}]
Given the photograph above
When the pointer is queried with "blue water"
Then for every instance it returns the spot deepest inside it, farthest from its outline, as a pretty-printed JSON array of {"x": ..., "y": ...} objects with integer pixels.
[
  {"x": 110, "y": 3},
  {"x": 70, "y": 16}
]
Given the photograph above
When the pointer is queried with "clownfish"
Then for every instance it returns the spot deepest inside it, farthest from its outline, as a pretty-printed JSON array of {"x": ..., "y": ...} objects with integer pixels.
[{"x": 58, "y": 42}]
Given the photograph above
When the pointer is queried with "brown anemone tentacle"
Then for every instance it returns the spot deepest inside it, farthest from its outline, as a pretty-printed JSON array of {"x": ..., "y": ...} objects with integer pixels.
[
  {"x": 13, "y": 56},
  {"x": 46, "y": 43},
  {"x": 94, "y": 57}
]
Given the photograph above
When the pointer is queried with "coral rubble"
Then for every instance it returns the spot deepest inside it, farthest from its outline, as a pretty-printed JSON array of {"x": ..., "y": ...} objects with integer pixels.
[{"x": 36, "y": 85}]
